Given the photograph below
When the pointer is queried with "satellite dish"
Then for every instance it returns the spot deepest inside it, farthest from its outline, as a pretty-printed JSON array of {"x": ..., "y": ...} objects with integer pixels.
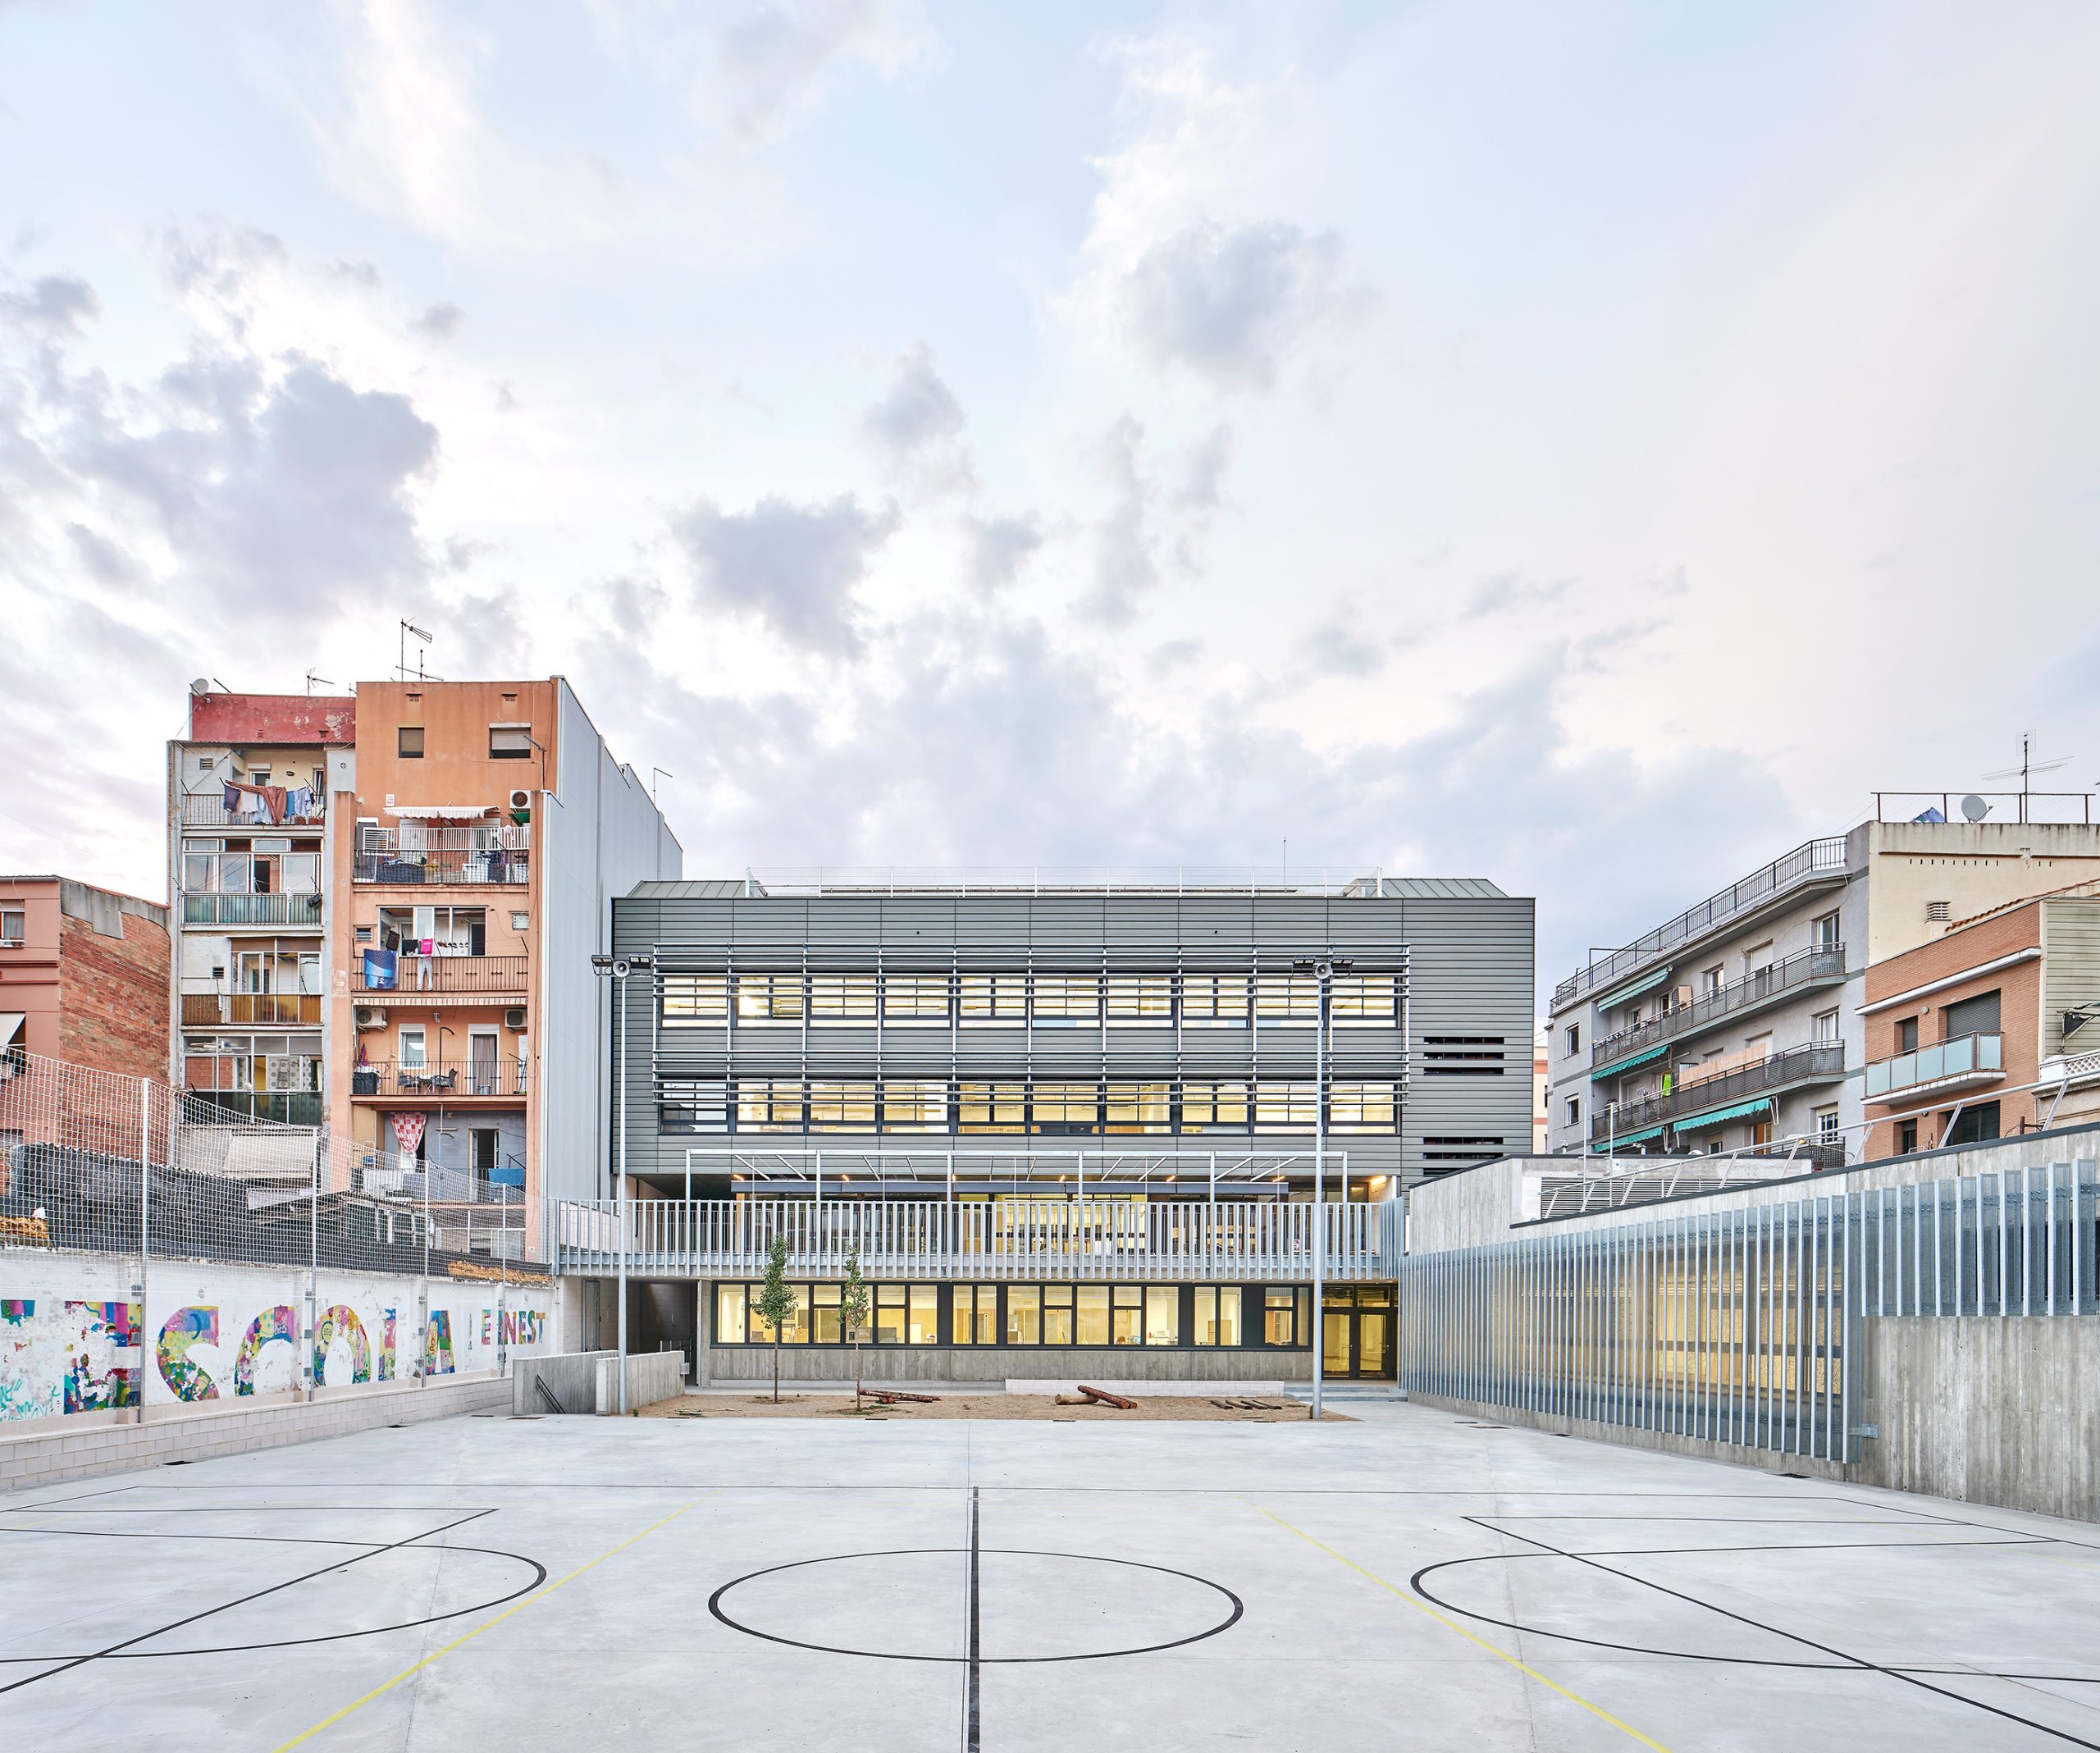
[
  {"x": 1973, "y": 809},
  {"x": 200, "y": 686}
]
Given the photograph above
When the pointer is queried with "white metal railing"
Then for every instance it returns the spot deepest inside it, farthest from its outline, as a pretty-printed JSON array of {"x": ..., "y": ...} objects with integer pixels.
[
  {"x": 1359, "y": 880},
  {"x": 1818, "y": 859},
  {"x": 1095, "y": 1240}
]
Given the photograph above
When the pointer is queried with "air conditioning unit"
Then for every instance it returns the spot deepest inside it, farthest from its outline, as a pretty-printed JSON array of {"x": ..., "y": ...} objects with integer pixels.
[
  {"x": 370, "y": 1016},
  {"x": 521, "y": 800},
  {"x": 515, "y": 1017}
]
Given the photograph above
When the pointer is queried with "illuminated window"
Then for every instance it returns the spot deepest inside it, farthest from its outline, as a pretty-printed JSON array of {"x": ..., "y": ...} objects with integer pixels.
[
  {"x": 1218, "y": 1314},
  {"x": 1214, "y": 1107},
  {"x": 1141, "y": 998},
  {"x": 1024, "y": 1315},
  {"x": 729, "y": 1314},
  {"x": 1067, "y": 997},
  {"x": 769, "y": 1105},
  {"x": 841, "y": 997},
  {"x": 829, "y": 1326},
  {"x": 1066, "y": 1108},
  {"x": 1092, "y": 1326},
  {"x": 1057, "y": 1324},
  {"x": 769, "y": 997},
  {"x": 973, "y": 1315},
  {"x": 889, "y": 1314},
  {"x": 993, "y": 997},
  {"x": 923, "y": 1321},
  {"x": 991, "y": 1108},
  {"x": 1365, "y": 998},
  {"x": 794, "y": 1331},
  {"x": 914, "y": 997},
  {"x": 1361, "y": 1107},
  {"x": 1279, "y": 1313},
  {"x": 1140, "y": 1107},
  {"x": 1285, "y": 1107},
  {"x": 694, "y": 1000},
  {"x": 836, "y": 1106},
  {"x": 1214, "y": 999},
  {"x": 1129, "y": 1328},
  {"x": 1162, "y": 1314},
  {"x": 1287, "y": 998},
  {"x": 909, "y": 1107}
]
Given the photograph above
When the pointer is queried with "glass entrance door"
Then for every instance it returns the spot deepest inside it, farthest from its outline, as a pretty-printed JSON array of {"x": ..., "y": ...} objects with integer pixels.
[{"x": 1356, "y": 1332}]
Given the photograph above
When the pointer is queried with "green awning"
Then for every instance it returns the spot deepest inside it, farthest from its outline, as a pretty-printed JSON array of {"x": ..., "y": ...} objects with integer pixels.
[
  {"x": 1716, "y": 1117},
  {"x": 1628, "y": 1064},
  {"x": 1632, "y": 988},
  {"x": 1625, "y": 1139}
]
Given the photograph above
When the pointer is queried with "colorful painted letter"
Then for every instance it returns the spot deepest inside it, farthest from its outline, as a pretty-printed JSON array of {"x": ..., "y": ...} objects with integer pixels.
[
  {"x": 278, "y": 1323},
  {"x": 188, "y": 1380}
]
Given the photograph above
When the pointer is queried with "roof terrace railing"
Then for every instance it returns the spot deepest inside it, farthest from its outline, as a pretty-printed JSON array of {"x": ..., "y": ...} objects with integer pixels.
[
  {"x": 1815, "y": 862},
  {"x": 1061, "y": 879}
]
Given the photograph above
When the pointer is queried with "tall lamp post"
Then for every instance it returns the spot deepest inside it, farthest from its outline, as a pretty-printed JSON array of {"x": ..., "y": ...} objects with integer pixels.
[
  {"x": 617, "y": 968},
  {"x": 1325, "y": 967}
]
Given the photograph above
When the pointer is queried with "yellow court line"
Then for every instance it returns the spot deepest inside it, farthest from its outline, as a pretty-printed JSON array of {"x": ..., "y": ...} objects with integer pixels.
[
  {"x": 359, "y": 1704},
  {"x": 1451, "y": 1624}
]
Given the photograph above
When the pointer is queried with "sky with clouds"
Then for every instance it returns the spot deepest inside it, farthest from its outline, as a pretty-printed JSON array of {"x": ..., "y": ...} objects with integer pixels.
[{"x": 1592, "y": 447}]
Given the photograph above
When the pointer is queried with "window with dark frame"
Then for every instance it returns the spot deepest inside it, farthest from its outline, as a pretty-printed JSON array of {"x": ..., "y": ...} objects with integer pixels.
[
  {"x": 510, "y": 742},
  {"x": 408, "y": 742}
]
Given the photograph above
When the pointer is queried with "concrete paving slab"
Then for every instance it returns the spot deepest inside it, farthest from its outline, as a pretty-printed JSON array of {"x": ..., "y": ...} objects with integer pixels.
[{"x": 1410, "y": 1579}]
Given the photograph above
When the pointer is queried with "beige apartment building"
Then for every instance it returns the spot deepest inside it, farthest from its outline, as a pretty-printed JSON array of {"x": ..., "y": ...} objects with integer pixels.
[
  {"x": 1740, "y": 1024},
  {"x": 395, "y": 946}
]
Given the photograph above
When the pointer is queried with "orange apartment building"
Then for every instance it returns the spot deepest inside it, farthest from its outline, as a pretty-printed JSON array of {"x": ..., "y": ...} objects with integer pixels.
[
  {"x": 1991, "y": 1028},
  {"x": 469, "y": 842}
]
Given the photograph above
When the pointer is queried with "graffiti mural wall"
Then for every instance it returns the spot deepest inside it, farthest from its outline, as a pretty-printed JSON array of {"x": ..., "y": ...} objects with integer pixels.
[{"x": 70, "y": 1332}]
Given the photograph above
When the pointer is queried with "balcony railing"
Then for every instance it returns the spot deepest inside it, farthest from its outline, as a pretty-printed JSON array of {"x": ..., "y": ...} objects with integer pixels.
[
  {"x": 490, "y": 853},
  {"x": 1967, "y": 1058},
  {"x": 252, "y": 910},
  {"x": 277, "y": 1010},
  {"x": 1046, "y": 1239},
  {"x": 440, "y": 1079},
  {"x": 1819, "y": 861},
  {"x": 1822, "y": 966},
  {"x": 209, "y": 809},
  {"x": 498, "y": 975},
  {"x": 1817, "y": 1061}
]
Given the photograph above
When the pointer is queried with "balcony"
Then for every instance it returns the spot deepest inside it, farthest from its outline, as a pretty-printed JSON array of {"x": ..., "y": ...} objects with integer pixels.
[
  {"x": 391, "y": 974},
  {"x": 1819, "y": 1062},
  {"x": 1962, "y": 1063},
  {"x": 277, "y": 911},
  {"x": 1804, "y": 971},
  {"x": 273, "y": 1010},
  {"x": 209, "y": 809},
  {"x": 439, "y": 1080},
  {"x": 1051, "y": 1239},
  {"x": 484, "y": 853},
  {"x": 1820, "y": 864}
]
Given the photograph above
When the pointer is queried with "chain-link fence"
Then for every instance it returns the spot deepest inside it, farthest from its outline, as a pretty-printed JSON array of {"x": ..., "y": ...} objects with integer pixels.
[{"x": 127, "y": 1188}]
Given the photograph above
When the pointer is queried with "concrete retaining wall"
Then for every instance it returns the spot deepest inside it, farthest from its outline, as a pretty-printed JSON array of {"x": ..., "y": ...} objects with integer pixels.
[
  {"x": 588, "y": 1382},
  {"x": 958, "y": 1363},
  {"x": 1985, "y": 1409},
  {"x": 53, "y": 1457}
]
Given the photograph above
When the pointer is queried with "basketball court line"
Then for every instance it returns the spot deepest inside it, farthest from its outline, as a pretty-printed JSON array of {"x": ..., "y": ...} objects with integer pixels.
[{"x": 1860, "y": 1663}]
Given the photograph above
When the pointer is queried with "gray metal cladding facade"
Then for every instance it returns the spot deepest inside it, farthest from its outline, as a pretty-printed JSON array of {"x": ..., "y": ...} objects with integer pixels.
[{"x": 1466, "y": 962}]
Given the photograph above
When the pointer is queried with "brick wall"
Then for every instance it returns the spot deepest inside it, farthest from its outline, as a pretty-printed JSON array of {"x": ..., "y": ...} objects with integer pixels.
[
  {"x": 2020, "y": 1011},
  {"x": 113, "y": 998}
]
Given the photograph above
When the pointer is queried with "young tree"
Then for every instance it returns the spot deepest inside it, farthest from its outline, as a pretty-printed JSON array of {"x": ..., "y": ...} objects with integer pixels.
[
  {"x": 853, "y": 1310},
  {"x": 775, "y": 1302}
]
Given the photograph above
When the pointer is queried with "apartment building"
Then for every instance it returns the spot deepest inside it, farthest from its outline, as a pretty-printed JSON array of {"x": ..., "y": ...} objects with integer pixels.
[
  {"x": 83, "y": 971},
  {"x": 1738, "y": 1025},
  {"x": 1989, "y": 1028},
  {"x": 1074, "y": 1116},
  {"x": 396, "y": 945}
]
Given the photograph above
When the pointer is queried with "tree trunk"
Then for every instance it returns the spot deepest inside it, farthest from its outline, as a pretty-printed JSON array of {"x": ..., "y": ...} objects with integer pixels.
[
  {"x": 856, "y": 1374},
  {"x": 776, "y": 1364}
]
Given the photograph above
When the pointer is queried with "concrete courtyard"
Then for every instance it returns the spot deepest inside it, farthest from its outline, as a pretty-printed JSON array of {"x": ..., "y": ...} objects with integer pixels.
[{"x": 1412, "y": 1579}]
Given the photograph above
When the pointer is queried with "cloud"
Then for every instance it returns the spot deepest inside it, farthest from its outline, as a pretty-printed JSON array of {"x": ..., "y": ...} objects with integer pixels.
[
  {"x": 1337, "y": 648},
  {"x": 918, "y": 426},
  {"x": 998, "y": 549},
  {"x": 1506, "y": 592},
  {"x": 441, "y": 322},
  {"x": 56, "y": 304},
  {"x": 773, "y": 63},
  {"x": 792, "y": 567},
  {"x": 1203, "y": 479},
  {"x": 1124, "y": 566},
  {"x": 1230, "y": 305}
]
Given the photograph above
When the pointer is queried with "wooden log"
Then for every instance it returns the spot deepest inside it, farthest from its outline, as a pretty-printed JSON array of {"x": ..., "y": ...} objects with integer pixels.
[
  {"x": 891, "y": 1396},
  {"x": 1107, "y": 1399}
]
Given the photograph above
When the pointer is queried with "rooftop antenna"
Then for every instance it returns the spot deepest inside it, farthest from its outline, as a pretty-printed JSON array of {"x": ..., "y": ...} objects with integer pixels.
[
  {"x": 311, "y": 678},
  {"x": 2028, "y": 767},
  {"x": 654, "y": 774},
  {"x": 407, "y": 628}
]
